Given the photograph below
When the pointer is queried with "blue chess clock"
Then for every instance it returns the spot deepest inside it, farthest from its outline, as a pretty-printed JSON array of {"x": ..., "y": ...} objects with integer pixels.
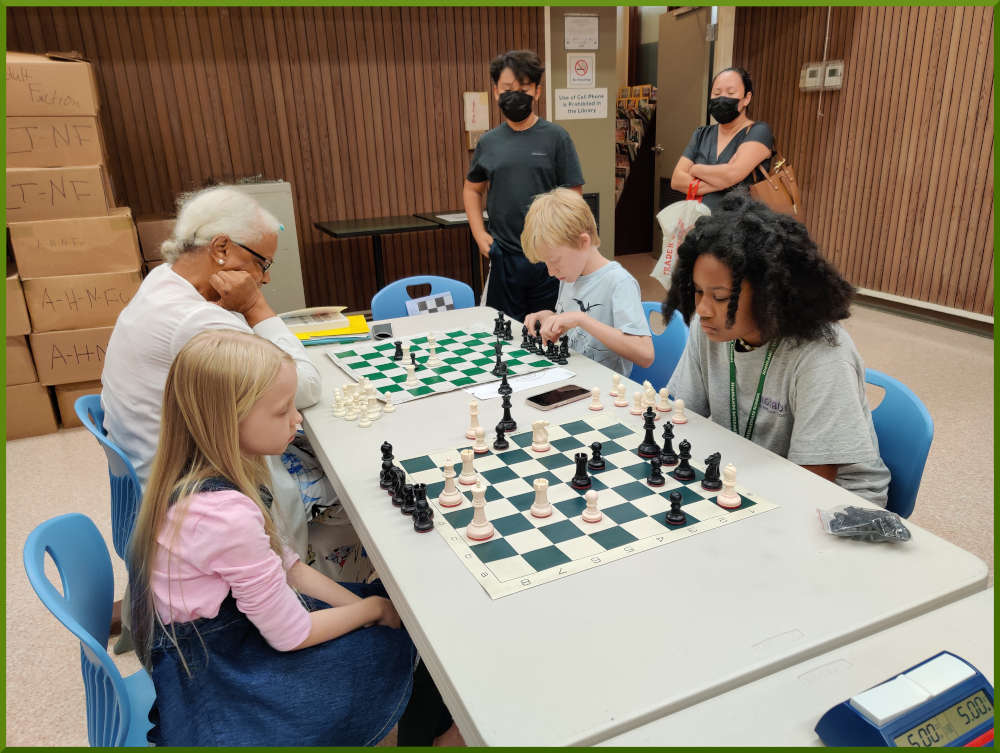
[{"x": 941, "y": 702}]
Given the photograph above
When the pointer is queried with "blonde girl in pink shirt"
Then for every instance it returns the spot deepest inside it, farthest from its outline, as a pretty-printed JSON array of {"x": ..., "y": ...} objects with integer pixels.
[{"x": 246, "y": 644}]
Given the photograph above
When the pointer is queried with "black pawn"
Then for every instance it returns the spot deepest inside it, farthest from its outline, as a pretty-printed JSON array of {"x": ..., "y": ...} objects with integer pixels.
[
  {"x": 506, "y": 421},
  {"x": 596, "y": 462},
  {"x": 506, "y": 331},
  {"x": 413, "y": 360},
  {"x": 581, "y": 480},
  {"x": 385, "y": 476},
  {"x": 655, "y": 474},
  {"x": 675, "y": 517},
  {"x": 712, "y": 482},
  {"x": 422, "y": 513},
  {"x": 667, "y": 456},
  {"x": 525, "y": 342},
  {"x": 684, "y": 471},
  {"x": 648, "y": 448},
  {"x": 398, "y": 355},
  {"x": 398, "y": 480},
  {"x": 501, "y": 442},
  {"x": 409, "y": 501}
]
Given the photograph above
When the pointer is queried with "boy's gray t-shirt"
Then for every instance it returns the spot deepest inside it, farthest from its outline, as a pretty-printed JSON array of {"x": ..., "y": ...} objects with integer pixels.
[
  {"x": 813, "y": 408},
  {"x": 610, "y": 295}
]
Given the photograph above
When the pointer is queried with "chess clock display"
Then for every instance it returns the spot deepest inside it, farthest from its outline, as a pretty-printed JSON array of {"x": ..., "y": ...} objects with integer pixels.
[{"x": 941, "y": 702}]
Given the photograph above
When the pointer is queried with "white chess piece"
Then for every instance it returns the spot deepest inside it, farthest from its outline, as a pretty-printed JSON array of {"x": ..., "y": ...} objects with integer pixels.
[
  {"x": 365, "y": 422},
  {"x": 450, "y": 495},
  {"x": 636, "y": 404},
  {"x": 480, "y": 446},
  {"x": 616, "y": 385},
  {"x": 540, "y": 436},
  {"x": 468, "y": 475},
  {"x": 406, "y": 353},
  {"x": 592, "y": 514},
  {"x": 621, "y": 401},
  {"x": 338, "y": 407},
  {"x": 595, "y": 399},
  {"x": 728, "y": 497},
  {"x": 541, "y": 507},
  {"x": 411, "y": 376},
  {"x": 649, "y": 401},
  {"x": 480, "y": 529},
  {"x": 470, "y": 433},
  {"x": 679, "y": 417},
  {"x": 663, "y": 405},
  {"x": 389, "y": 406},
  {"x": 351, "y": 414},
  {"x": 433, "y": 361}
]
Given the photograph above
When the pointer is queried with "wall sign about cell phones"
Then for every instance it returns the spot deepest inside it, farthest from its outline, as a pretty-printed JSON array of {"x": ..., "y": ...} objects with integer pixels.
[
  {"x": 941, "y": 702},
  {"x": 315, "y": 319}
]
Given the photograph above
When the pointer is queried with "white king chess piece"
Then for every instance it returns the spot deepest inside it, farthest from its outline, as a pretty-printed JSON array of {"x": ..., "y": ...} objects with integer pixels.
[
  {"x": 540, "y": 436},
  {"x": 728, "y": 497}
]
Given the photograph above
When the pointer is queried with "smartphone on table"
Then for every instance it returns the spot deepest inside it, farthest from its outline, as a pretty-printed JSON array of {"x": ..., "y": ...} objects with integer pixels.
[{"x": 557, "y": 397}]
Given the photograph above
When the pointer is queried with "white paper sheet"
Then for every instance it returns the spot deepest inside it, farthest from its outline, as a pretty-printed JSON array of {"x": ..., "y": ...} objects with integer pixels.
[{"x": 526, "y": 382}]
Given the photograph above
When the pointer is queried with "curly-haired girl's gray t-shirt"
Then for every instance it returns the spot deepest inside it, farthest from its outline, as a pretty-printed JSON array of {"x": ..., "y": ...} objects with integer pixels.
[{"x": 813, "y": 408}]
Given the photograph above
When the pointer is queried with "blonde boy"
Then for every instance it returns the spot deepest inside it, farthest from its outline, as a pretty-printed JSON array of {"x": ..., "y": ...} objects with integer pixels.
[{"x": 599, "y": 305}]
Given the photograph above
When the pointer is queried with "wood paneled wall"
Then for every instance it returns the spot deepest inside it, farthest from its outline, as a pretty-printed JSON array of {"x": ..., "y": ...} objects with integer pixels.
[
  {"x": 897, "y": 172},
  {"x": 360, "y": 109}
]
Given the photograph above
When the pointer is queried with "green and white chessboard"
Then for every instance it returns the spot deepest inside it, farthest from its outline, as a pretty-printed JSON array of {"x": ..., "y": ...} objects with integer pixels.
[
  {"x": 527, "y": 551},
  {"x": 467, "y": 357}
]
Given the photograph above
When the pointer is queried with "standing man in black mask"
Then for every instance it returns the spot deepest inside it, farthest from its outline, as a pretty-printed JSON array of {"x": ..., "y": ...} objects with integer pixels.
[
  {"x": 522, "y": 157},
  {"x": 721, "y": 157}
]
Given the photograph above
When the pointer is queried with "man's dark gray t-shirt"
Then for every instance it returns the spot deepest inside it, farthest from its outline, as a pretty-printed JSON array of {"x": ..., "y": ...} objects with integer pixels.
[{"x": 519, "y": 165}]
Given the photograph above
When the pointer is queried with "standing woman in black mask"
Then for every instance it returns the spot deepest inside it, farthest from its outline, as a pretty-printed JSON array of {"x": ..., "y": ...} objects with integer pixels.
[
  {"x": 521, "y": 158},
  {"x": 721, "y": 157}
]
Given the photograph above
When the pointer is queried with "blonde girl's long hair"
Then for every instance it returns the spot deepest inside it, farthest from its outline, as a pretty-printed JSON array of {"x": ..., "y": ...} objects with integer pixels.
[{"x": 212, "y": 384}]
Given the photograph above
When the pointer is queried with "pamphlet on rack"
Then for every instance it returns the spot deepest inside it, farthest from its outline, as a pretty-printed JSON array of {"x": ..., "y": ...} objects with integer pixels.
[{"x": 520, "y": 383}]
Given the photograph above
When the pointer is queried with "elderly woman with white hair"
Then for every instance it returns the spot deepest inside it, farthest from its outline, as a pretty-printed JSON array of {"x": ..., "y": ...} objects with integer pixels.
[{"x": 216, "y": 264}]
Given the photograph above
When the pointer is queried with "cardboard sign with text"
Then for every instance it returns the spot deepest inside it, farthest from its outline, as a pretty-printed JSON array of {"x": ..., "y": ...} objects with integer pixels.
[
  {"x": 78, "y": 301},
  {"x": 50, "y": 85},
  {"x": 70, "y": 355},
  {"x": 52, "y": 193},
  {"x": 82, "y": 245},
  {"x": 54, "y": 142}
]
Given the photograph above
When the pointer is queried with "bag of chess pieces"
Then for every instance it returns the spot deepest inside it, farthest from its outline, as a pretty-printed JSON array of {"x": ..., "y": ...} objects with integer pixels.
[{"x": 863, "y": 523}]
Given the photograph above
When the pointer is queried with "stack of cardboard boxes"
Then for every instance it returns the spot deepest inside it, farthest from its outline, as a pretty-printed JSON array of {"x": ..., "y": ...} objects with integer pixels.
[{"x": 77, "y": 255}]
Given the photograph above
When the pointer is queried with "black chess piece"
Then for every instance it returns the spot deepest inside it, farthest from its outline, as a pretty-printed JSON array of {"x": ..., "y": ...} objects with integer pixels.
[
  {"x": 501, "y": 442},
  {"x": 422, "y": 513},
  {"x": 656, "y": 477},
  {"x": 506, "y": 421},
  {"x": 684, "y": 471},
  {"x": 712, "y": 482},
  {"x": 504, "y": 388},
  {"x": 498, "y": 325},
  {"x": 398, "y": 355},
  {"x": 675, "y": 516},
  {"x": 525, "y": 342},
  {"x": 581, "y": 480},
  {"x": 648, "y": 448},
  {"x": 398, "y": 480},
  {"x": 667, "y": 456},
  {"x": 498, "y": 367},
  {"x": 409, "y": 501},
  {"x": 562, "y": 356},
  {"x": 550, "y": 350},
  {"x": 506, "y": 331},
  {"x": 596, "y": 462},
  {"x": 413, "y": 360},
  {"x": 383, "y": 479}
]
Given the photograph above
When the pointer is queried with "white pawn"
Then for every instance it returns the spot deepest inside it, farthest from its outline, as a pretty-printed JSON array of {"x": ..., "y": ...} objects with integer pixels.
[
  {"x": 664, "y": 402},
  {"x": 411, "y": 378},
  {"x": 470, "y": 433},
  {"x": 389, "y": 407},
  {"x": 621, "y": 401},
  {"x": 595, "y": 399},
  {"x": 450, "y": 495},
  {"x": 592, "y": 514},
  {"x": 351, "y": 414},
  {"x": 636, "y": 404},
  {"x": 480, "y": 446},
  {"x": 728, "y": 497},
  {"x": 616, "y": 385},
  {"x": 541, "y": 507},
  {"x": 480, "y": 529},
  {"x": 468, "y": 475},
  {"x": 338, "y": 408},
  {"x": 365, "y": 422},
  {"x": 649, "y": 401},
  {"x": 540, "y": 436},
  {"x": 679, "y": 417}
]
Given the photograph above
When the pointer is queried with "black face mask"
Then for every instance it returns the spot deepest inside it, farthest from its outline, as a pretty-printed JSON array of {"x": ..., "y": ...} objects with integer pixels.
[
  {"x": 724, "y": 109},
  {"x": 515, "y": 105}
]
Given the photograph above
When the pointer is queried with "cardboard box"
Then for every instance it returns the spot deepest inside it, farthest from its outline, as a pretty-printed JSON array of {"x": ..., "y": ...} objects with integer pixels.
[
  {"x": 152, "y": 232},
  {"x": 51, "y": 84},
  {"x": 70, "y": 355},
  {"x": 54, "y": 142},
  {"x": 78, "y": 301},
  {"x": 29, "y": 411},
  {"x": 18, "y": 322},
  {"x": 66, "y": 396},
  {"x": 84, "y": 245},
  {"x": 20, "y": 367},
  {"x": 52, "y": 193}
]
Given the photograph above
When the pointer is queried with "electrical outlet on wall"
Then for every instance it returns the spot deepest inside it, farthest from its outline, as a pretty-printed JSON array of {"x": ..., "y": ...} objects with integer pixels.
[
  {"x": 811, "y": 77},
  {"x": 833, "y": 76}
]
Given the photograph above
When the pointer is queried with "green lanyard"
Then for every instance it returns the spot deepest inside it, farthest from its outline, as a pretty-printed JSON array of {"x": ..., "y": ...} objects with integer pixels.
[{"x": 734, "y": 418}]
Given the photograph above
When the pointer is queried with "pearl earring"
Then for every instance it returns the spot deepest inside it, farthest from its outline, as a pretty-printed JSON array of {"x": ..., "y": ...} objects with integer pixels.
[{"x": 221, "y": 261}]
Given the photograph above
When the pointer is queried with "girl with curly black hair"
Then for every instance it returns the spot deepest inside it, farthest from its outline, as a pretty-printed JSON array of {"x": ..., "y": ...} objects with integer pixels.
[{"x": 766, "y": 355}]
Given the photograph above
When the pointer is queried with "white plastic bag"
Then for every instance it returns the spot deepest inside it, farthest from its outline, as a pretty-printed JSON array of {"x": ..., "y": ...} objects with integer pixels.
[{"x": 675, "y": 221}]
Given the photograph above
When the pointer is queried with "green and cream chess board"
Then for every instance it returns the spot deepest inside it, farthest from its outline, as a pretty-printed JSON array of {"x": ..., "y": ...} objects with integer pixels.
[
  {"x": 467, "y": 359},
  {"x": 526, "y": 551}
]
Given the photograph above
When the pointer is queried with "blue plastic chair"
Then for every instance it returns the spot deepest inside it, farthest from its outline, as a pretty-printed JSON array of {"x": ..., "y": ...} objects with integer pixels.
[
  {"x": 117, "y": 707},
  {"x": 390, "y": 301},
  {"x": 905, "y": 432},
  {"x": 126, "y": 493},
  {"x": 668, "y": 346}
]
